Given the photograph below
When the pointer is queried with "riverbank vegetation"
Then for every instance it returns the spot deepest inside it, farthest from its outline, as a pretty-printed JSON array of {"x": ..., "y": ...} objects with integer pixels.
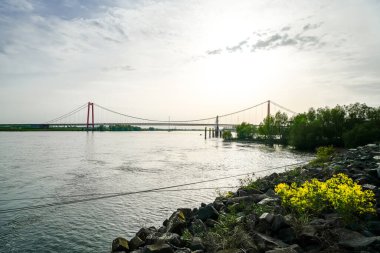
[{"x": 342, "y": 126}]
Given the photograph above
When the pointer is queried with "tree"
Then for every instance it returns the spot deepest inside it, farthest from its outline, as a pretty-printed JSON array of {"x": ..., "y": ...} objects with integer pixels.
[
  {"x": 245, "y": 131},
  {"x": 281, "y": 123},
  {"x": 227, "y": 135},
  {"x": 267, "y": 128}
]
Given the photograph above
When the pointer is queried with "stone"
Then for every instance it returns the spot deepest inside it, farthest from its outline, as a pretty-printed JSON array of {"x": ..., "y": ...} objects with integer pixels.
[
  {"x": 176, "y": 223},
  {"x": 136, "y": 243},
  {"x": 282, "y": 250},
  {"x": 268, "y": 217},
  {"x": 374, "y": 227},
  {"x": 187, "y": 212},
  {"x": 140, "y": 250},
  {"x": 242, "y": 193},
  {"x": 233, "y": 250},
  {"x": 250, "y": 222},
  {"x": 271, "y": 193},
  {"x": 360, "y": 243},
  {"x": 197, "y": 227},
  {"x": 162, "y": 229},
  {"x": 308, "y": 231},
  {"x": 183, "y": 250},
  {"x": 158, "y": 248},
  {"x": 268, "y": 201},
  {"x": 218, "y": 205},
  {"x": 287, "y": 235},
  {"x": 120, "y": 244},
  {"x": 265, "y": 242},
  {"x": 210, "y": 223},
  {"x": 144, "y": 232},
  {"x": 308, "y": 238},
  {"x": 368, "y": 187},
  {"x": 171, "y": 238},
  {"x": 344, "y": 234},
  {"x": 244, "y": 240},
  {"x": 254, "y": 198},
  {"x": 252, "y": 191},
  {"x": 278, "y": 222},
  {"x": 207, "y": 212},
  {"x": 372, "y": 172},
  {"x": 196, "y": 244}
]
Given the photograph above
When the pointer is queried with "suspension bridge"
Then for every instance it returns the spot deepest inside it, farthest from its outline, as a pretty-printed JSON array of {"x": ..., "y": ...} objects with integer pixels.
[{"x": 91, "y": 115}]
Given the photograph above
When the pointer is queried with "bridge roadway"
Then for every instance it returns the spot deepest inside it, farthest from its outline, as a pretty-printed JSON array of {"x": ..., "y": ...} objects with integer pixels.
[
  {"x": 151, "y": 124},
  {"x": 121, "y": 124}
]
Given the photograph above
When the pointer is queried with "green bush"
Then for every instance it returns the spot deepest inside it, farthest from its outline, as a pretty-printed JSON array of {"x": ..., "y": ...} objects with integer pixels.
[
  {"x": 349, "y": 126},
  {"x": 362, "y": 134},
  {"x": 324, "y": 154},
  {"x": 245, "y": 131},
  {"x": 227, "y": 135}
]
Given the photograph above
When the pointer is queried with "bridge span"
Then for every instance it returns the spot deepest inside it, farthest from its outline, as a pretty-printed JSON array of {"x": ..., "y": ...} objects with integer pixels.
[{"x": 84, "y": 117}]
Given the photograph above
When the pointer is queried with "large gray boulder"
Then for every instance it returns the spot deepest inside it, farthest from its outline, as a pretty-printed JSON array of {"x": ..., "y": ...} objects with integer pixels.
[
  {"x": 176, "y": 223},
  {"x": 157, "y": 238},
  {"x": 158, "y": 248},
  {"x": 120, "y": 244},
  {"x": 207, "y": 212}
]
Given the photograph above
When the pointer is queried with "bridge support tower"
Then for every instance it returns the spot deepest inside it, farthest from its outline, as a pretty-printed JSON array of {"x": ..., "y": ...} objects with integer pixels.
[
  {"x": 217, "y": 127},
  {"x": 90, "y": 106}
]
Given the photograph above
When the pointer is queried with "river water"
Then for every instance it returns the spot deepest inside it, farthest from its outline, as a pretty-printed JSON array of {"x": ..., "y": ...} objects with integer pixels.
[{"x": 38, "y": 168}]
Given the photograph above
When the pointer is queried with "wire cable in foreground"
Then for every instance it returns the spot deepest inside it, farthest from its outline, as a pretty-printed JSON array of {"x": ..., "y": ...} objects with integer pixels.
[{"x": 68, "y": 202}]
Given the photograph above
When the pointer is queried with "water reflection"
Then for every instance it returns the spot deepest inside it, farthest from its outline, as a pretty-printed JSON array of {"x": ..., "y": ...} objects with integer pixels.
[{"x": 73, "y": 163}]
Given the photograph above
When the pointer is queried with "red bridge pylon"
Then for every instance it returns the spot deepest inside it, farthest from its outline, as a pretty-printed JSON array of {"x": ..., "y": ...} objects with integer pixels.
[{"x": 90, "y": 105}]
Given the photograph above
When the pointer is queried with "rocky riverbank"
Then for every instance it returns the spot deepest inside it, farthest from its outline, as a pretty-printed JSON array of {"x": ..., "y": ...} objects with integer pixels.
[{"x": 253, "y": 219}]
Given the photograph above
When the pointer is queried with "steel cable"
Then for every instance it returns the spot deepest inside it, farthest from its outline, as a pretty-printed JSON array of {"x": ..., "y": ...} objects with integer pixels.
[{"x": 137, "y": 192}]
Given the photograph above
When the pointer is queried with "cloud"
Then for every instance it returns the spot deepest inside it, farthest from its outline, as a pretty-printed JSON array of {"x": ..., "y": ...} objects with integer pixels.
[
  {"x": 237, "y": 47},
  {"x": 214, "y": 52},
  {"x": 268, "y": 40},
  {"x": 368, "y": 88},
  {"x": 266, "y": 43},
  {"x": 283, "y": 40},
  {"x": 118, "y": 68},
  {"x": 16, "y": 6},
  {"x": 311, "y": 26}
]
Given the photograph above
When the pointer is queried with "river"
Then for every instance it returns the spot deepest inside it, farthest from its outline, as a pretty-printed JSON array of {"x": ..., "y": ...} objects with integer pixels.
[{"x": 39, "y": 168}]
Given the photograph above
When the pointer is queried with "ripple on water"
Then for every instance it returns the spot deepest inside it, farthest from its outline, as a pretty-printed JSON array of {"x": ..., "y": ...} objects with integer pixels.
[{"x": 73, "y": 163}]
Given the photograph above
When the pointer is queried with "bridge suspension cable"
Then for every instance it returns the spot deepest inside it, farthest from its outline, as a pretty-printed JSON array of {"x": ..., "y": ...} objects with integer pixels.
[
  {"x": 179, "y": 121},
  {"x": 67, "y": 114},
  {"x": 147, "y": 120},
  {"x": 151, "y": 120},
  {"x": 243, "y": 110},
  {"x": 282, "y": 107}
]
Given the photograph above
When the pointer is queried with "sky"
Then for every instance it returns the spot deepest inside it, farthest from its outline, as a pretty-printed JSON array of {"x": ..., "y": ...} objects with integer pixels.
[{"x": 183, "y": 58}]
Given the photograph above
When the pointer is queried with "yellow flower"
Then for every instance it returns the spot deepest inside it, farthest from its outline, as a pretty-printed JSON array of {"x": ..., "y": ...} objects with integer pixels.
[{"x": 339, "y": 192}]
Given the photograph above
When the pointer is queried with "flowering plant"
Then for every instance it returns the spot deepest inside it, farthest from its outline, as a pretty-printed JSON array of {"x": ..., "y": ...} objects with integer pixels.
[{"x": 339, "y": 192}]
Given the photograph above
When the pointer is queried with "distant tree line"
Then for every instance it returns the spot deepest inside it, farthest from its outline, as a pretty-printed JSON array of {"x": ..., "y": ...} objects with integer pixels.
[
  {"x": 121, "y": 128},
  {"x": 341, "y": 126}
]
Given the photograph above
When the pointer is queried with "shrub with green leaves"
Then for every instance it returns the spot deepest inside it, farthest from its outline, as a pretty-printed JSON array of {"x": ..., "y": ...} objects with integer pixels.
[
  {"x": 323, "y": 155},
  {"x": 227, "y": 135}
]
